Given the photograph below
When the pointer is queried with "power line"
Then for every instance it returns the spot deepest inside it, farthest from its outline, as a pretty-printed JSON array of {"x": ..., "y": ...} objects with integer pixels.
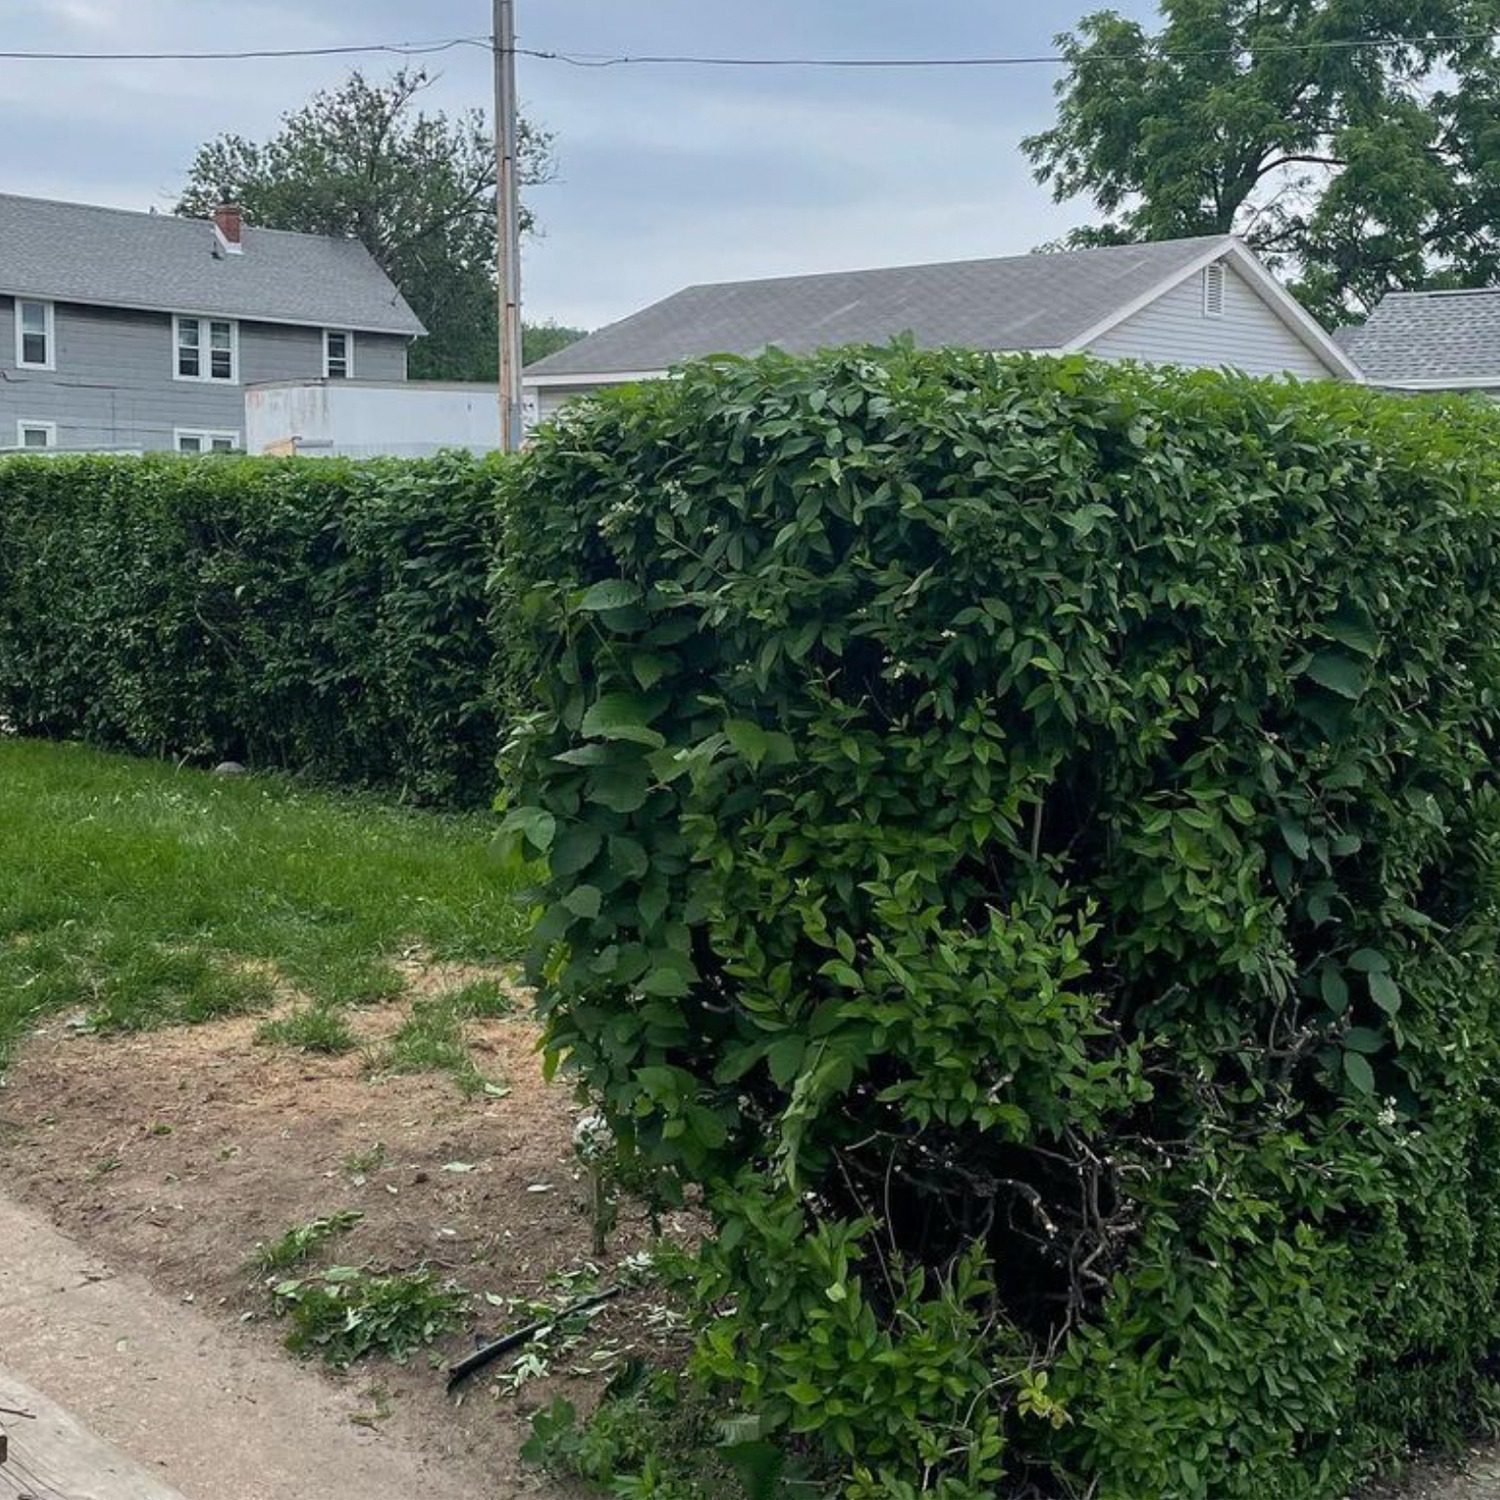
[
  {"x": 611, "y": 60},
  {"x": 1148, "y": 53},
  {"x": 404, "y": 49}
]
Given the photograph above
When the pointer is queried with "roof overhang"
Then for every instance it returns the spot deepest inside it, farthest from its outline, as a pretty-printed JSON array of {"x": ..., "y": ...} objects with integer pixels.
[
  {"x": 1453, "y": 383},
  {"x": 600, "y": 377},
  {"x": 1262, "y": 282},
  {"x": 343, "y": 325}
]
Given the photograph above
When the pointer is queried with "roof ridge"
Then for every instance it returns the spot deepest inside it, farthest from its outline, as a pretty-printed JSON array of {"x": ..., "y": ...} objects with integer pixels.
[
  {"x": 159, "y": 217},
  {"x": 950, "y": 265},
  {"x": 1446, "y": 291}
]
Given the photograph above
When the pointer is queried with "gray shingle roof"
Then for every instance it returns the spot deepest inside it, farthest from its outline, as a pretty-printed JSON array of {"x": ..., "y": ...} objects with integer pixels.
[
  {"x": 73, "y": 252},
  {"x": 1430, "y": 336},
  {"x": 1022, "y": 302}
]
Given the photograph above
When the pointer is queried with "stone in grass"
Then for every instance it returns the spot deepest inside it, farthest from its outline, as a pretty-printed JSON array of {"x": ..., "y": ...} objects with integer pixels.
[{"x": 230, "y": 768}]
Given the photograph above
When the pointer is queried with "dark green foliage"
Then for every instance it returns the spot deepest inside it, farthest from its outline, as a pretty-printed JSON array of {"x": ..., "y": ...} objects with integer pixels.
[
  {"x": 1022, "y": 839},
  {"x": 651, "y": 1439},
  {"x": 322, "y": 615},
  {"x": 538, "y": 340}
]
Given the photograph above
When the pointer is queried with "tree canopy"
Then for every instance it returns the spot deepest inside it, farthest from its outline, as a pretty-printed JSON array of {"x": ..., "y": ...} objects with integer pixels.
[
  {"x": 417, "y": 188},
  {"x": 538, "y": 340},
  {"x": 1355, "y": 143}
]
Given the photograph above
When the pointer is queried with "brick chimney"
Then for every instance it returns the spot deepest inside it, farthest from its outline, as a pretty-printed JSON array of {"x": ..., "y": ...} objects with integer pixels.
[{"x": 229, "y": 226}]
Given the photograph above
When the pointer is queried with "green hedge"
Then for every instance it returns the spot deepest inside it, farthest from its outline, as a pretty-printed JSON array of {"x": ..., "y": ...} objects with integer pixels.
[
  {"x": 326, "y": 616},
  {"x": 1023, "y": 843}
]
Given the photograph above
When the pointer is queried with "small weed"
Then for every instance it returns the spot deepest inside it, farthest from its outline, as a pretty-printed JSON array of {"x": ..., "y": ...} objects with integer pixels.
[
  {"x": 346, "y": 1313},
  {"x": 484, "y": 1000},
  {"x": 654, "y": 1434},
  {"x": 362, "y": 1163},
  {"x": 431, "y": 1040},
  {"x": 299, "y": 1242},
  {"x": 379, "y": 1409},
  {"x": 314, "y": 1028},
  {"x": 105, "y": 1166}
]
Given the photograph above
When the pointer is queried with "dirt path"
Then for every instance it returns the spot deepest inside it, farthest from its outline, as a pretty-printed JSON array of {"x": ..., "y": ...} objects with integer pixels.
[
  {"x": 1479, "y": 1480},
  {"x": 172, "y": 1156},
  {"x": 203, "y": 1413}
]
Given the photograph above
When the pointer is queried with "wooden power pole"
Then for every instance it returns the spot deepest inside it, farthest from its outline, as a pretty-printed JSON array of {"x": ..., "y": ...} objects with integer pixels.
[{"x": 508, "y": 214}]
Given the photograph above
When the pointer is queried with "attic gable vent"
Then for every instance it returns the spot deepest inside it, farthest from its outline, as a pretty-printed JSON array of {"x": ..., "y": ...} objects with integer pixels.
[{"x": 1214, "y": 277}]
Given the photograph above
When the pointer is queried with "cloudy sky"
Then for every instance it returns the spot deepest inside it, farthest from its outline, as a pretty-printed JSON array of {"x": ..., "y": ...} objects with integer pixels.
[{"x": 668, "y": 176}]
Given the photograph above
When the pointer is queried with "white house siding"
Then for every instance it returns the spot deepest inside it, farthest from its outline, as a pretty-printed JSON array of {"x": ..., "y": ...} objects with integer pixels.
[
  {"x": 550, "y": 402},
  {"x": 113, "y": 384},
  {"x": 543, "y": 401},
  {"x": 1249, "y": 336}
]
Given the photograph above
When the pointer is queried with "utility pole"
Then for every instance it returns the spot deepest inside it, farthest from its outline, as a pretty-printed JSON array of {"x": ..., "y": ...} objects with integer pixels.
[{"x": 508, "y": 213}]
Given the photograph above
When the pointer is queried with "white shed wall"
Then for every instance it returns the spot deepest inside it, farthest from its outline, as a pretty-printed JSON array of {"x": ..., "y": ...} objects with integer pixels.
[{"x": 357, "y": 420}]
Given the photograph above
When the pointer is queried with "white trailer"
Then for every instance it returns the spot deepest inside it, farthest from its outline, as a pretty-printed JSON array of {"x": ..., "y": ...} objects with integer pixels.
[{"x": 370, "y": 418}]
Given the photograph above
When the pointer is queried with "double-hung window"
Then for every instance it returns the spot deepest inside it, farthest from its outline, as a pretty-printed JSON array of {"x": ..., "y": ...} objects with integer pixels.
[
  {"x": 206, "y": 349},
  {"x": 35, "y": 335},
  {"x": 199, "y": 440},
  {"x": 338, "y": 354}
]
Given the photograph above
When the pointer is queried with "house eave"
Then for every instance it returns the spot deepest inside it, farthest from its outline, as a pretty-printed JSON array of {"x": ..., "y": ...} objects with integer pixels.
[
  {"x": 598, "y": 377},
  {"x": 33, "y": 293},
  {"x": 1453, "y": 383}
]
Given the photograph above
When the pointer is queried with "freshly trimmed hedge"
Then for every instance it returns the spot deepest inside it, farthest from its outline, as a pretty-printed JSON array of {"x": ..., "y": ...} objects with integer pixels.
[
  {"x": 1023, "y": 843},
  {"x": 326, "y": 616}
]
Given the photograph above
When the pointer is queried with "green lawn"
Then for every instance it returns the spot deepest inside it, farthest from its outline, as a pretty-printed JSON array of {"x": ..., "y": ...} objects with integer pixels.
[{"x": 142, "y": 895}]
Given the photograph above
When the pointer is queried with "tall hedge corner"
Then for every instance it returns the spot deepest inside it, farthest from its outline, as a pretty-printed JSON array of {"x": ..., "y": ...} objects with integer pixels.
[{"x": 1021, "y": 847}]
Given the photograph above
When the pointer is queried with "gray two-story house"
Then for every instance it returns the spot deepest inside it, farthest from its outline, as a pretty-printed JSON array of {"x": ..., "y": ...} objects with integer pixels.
[{"x": 135, "y": 331}]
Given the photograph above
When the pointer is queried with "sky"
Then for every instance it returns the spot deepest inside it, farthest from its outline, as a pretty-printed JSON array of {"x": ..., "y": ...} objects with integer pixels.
[{"x": 667, "y": 176}]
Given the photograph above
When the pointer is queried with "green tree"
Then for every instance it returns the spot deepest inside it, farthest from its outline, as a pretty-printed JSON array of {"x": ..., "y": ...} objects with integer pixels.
[
  {"x": 1354, "y": 143},
  {"x": 538, "y": 340},
  {"x": 417, "y": 188}
]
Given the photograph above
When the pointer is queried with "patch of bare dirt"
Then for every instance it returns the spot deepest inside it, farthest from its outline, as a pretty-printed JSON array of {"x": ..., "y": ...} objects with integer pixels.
[
  {"x": 424, "y": 977},
  {"x": 1476, "y": 1478},
  {"x": 177, "y": 1153}
]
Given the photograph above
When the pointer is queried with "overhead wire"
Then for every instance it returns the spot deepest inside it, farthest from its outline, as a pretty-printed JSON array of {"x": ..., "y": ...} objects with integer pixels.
[
  {"x": 404, "y": 49},
  {"x": 1150, "y": 52}
]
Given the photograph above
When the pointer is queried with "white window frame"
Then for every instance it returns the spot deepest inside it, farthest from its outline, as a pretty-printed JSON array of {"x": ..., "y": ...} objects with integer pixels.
[
  {"x": 49, "y": 310},
  {"x": 205, "y": 349},
  {"x": 1215, "y": 280},
  {"x": 347, "y": 334},
  {"x": 31, "y": 424},
  {"x": 206, "y": 437}
]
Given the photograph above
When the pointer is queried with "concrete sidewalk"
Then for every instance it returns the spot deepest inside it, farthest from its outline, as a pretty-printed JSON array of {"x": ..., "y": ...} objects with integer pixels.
[{"x": 140, "y": 1397}]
